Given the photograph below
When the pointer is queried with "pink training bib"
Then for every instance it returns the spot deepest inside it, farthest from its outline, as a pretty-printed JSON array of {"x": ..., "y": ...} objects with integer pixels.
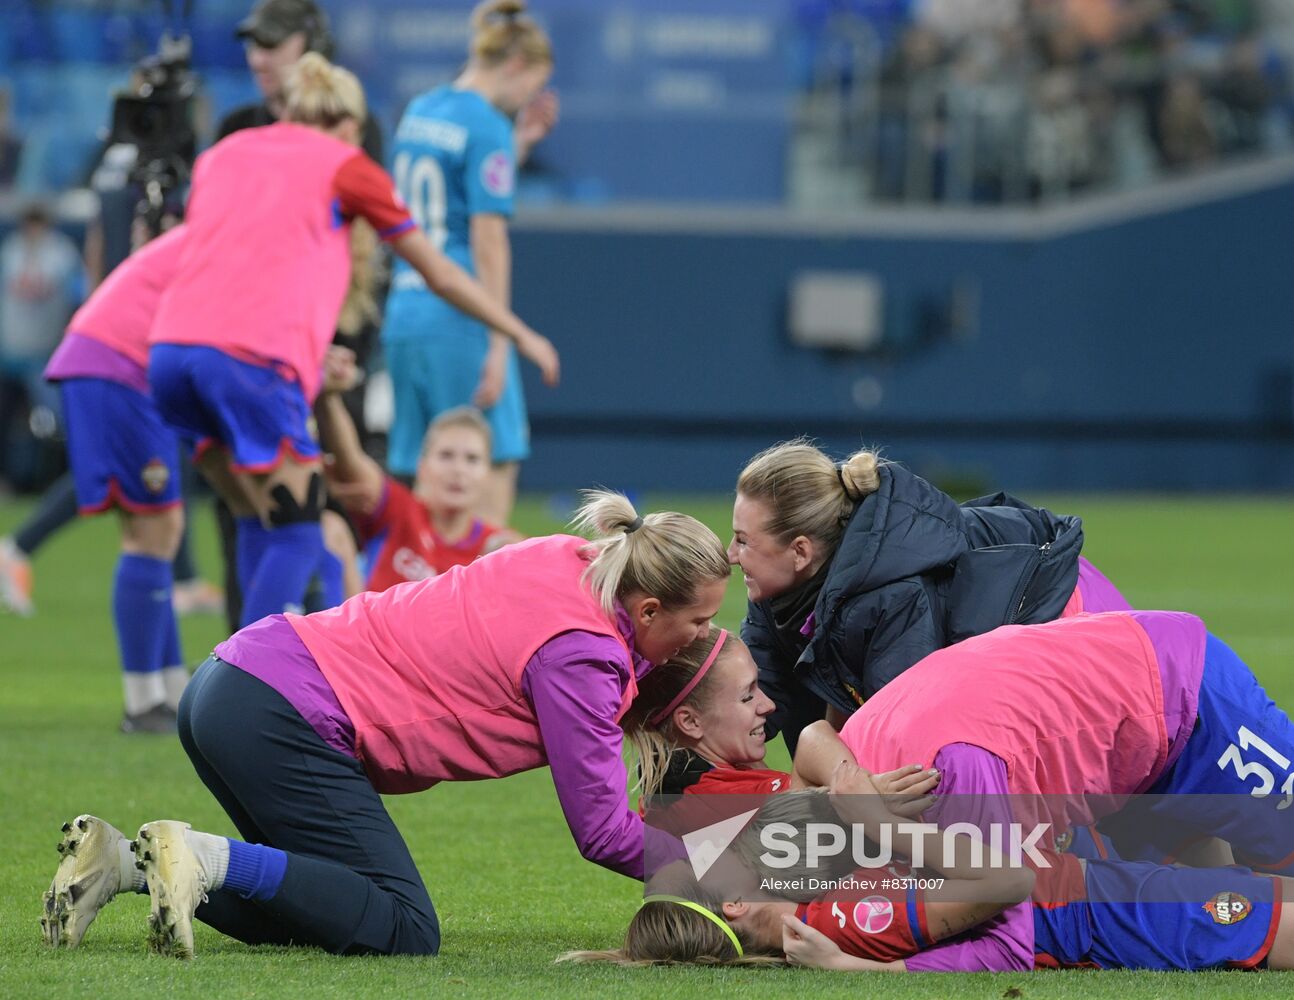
[{"x": 430, "y": 673}]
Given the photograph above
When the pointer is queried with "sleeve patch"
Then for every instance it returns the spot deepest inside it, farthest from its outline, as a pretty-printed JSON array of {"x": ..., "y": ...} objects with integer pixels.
[{"x": 498, "y": 174}]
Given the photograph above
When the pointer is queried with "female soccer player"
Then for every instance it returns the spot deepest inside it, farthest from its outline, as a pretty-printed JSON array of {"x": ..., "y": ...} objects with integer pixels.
[
  {"x": 455, "y": 160},
  {"x": 240, "y": 334},
  {"x": 123, "y": 455},
  {"x": 1011, "y": 713},
  {"x": 297, "y": 725},
  {"x": 856, "y": 572},
  {"x": 409, "y": 535},
  {"x": 697, "y": 725},
  {"x": 1100, "y": 914}
]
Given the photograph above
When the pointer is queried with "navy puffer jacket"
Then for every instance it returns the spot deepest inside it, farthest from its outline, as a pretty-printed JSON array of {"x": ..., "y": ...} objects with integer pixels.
[{"x": 915, "y": 572}]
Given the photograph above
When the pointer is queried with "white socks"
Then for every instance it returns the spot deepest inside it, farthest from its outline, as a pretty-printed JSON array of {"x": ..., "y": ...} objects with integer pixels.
[
  {"x": 130, "y": 878},
  {"x": 212, "y": 853},
  {"x": 142, "y": 690},
  {"x": 173, "y": 681}
]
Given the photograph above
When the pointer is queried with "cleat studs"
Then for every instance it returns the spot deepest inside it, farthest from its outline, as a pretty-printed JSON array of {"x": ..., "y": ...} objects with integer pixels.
[
  {"x": 148, "y": 855},
  {"x": 62, "y": 847},
  {"x": 82, "y": 824},
  {"x": 134, "y": 846},
  {"x": 67, "y": 827},
  {"x": 139, "y": 865}
]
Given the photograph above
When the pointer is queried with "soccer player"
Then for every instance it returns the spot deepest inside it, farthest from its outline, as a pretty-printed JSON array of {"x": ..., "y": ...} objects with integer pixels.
[
  {"x": 456, "y": 156},
  {"x": 526, "y": 657},
  {"x": 1011, "y": 713},
  {"x": 1119, "y": 915},
  {"x": 241, "y": 333},
  {"x": 697, "y": 725},
  {"x": 124, "y": 456},
  {"x": 409, "y": 535},
  {"x": 855, "y": 572}
]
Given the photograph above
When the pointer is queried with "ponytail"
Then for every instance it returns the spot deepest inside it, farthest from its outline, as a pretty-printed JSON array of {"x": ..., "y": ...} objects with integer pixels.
[
  {"x": 321, "y": 94},
  {"x": 664, "y": 555},
  {"x": 501, "y": 29},
  {"x": 805, "y": 492}
]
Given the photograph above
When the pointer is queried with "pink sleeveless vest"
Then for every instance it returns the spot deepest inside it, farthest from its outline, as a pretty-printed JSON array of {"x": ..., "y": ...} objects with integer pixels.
[
  {"x": 430, "y": 672},
  {"x": 1073, "y": 707},
  {"x": 264, "y": 270},
  {"x": 120, "y": 312}
]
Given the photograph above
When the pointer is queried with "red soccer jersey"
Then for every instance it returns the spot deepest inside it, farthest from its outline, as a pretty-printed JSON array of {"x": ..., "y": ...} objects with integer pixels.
[
  {"x": 739, "y": 781},
  {"x": 400, "y": 543},
  {"x": 880, "y": 915}
]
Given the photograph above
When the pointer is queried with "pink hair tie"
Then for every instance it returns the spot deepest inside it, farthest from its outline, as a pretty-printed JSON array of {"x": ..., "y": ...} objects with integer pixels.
[{"x": 679, "y": 698}]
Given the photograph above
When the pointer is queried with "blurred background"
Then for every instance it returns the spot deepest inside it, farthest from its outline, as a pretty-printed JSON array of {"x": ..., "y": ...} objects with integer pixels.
[{"x": 1035, "y": 244}]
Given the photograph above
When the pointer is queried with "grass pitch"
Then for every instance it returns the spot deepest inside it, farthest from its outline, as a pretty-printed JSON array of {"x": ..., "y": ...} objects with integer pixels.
[{"x": 509, "y": 886}]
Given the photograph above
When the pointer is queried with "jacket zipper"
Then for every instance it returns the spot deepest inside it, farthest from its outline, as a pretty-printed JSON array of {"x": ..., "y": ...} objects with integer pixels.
[{"x": 1024, "y": 591}]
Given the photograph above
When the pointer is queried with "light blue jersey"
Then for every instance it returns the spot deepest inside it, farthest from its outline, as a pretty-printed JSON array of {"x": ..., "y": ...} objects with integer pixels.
[{"x": 454, "y": 158}]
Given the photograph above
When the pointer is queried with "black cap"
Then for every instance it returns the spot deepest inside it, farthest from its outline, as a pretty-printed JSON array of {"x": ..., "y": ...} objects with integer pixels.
[{"x": 271, "y": 21}]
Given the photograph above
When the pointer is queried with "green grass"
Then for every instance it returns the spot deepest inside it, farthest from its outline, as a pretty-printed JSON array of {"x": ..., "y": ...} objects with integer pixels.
[{"x": 509, "y": 886}]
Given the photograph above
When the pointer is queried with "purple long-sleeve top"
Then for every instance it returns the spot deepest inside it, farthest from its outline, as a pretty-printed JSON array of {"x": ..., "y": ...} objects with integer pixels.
[
  {"x": 973, "y": 788},
  {"x": 575, "y": 683}
]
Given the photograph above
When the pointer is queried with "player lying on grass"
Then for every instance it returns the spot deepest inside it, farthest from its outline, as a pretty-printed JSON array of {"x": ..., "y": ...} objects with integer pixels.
[
  {"x": 1102, "y": 914},
  {"x": 409, "y": 534},
  {"x": 1014, "y": 713},
  {"x": 528, "y": 656},
  {"x": 855, "y": 572}
]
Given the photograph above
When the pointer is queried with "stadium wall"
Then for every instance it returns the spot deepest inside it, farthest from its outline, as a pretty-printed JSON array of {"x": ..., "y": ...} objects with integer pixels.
[{"x": 1135, "y": 342}]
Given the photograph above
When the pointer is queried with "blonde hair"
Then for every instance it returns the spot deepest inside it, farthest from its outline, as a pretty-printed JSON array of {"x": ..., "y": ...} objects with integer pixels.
[
  {"x": 655, "y": 745},
  {"x": 360, "y": 308},
  {"x": 805, "y": 492},
  {"x": 459, "y": 416},
  {"x": 501, "y": 29},
  {"x": 665, "y": 933},
  {"x": 321, "y": 94},
  {"x": 664, "y": 555}
]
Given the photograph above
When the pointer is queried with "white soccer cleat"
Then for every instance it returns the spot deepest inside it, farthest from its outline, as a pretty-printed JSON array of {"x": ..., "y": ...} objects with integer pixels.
[
  {"x": 87, "y": 878},
  {"x": 177, "y": 884}
]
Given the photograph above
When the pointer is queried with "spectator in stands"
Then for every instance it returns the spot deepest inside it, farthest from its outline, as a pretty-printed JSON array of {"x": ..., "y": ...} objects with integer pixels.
[{"x": 41, "y": 281}]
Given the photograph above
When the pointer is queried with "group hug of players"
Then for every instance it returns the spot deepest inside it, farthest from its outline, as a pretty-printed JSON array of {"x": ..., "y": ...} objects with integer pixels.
[{"x": 949, "y": 657}]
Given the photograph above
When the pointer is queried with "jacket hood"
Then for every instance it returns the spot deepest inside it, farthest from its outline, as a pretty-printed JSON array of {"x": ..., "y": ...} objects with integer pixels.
[{"x": 906, "y": 528}]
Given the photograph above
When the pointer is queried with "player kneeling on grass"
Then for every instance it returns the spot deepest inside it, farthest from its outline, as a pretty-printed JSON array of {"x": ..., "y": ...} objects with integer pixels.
[
  {"x": 409, "y": 535},
  {"x": 298, "y": 724}
]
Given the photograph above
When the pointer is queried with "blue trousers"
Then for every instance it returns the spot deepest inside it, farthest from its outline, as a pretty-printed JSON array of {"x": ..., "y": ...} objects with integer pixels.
[{"x": 351, "y": 886}]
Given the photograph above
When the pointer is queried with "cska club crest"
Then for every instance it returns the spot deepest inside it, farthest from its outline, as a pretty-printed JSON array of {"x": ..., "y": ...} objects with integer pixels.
[
  {"x": 1228, "y": 908},
  {"x": 155, "y": 476}
]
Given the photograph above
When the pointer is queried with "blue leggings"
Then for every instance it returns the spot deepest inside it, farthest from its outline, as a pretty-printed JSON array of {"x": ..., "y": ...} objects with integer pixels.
[{"x": 351, "y": 886}]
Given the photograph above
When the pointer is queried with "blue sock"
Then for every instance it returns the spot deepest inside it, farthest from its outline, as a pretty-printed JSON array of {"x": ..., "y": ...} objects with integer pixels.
[
  {"x": 288, "y": 559},
  {"x": 255, "y": 871},
  {"x": 249, "y": 544},
  {"x": 172, "y": 656},
  {"x": 141, "y": 608}
]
